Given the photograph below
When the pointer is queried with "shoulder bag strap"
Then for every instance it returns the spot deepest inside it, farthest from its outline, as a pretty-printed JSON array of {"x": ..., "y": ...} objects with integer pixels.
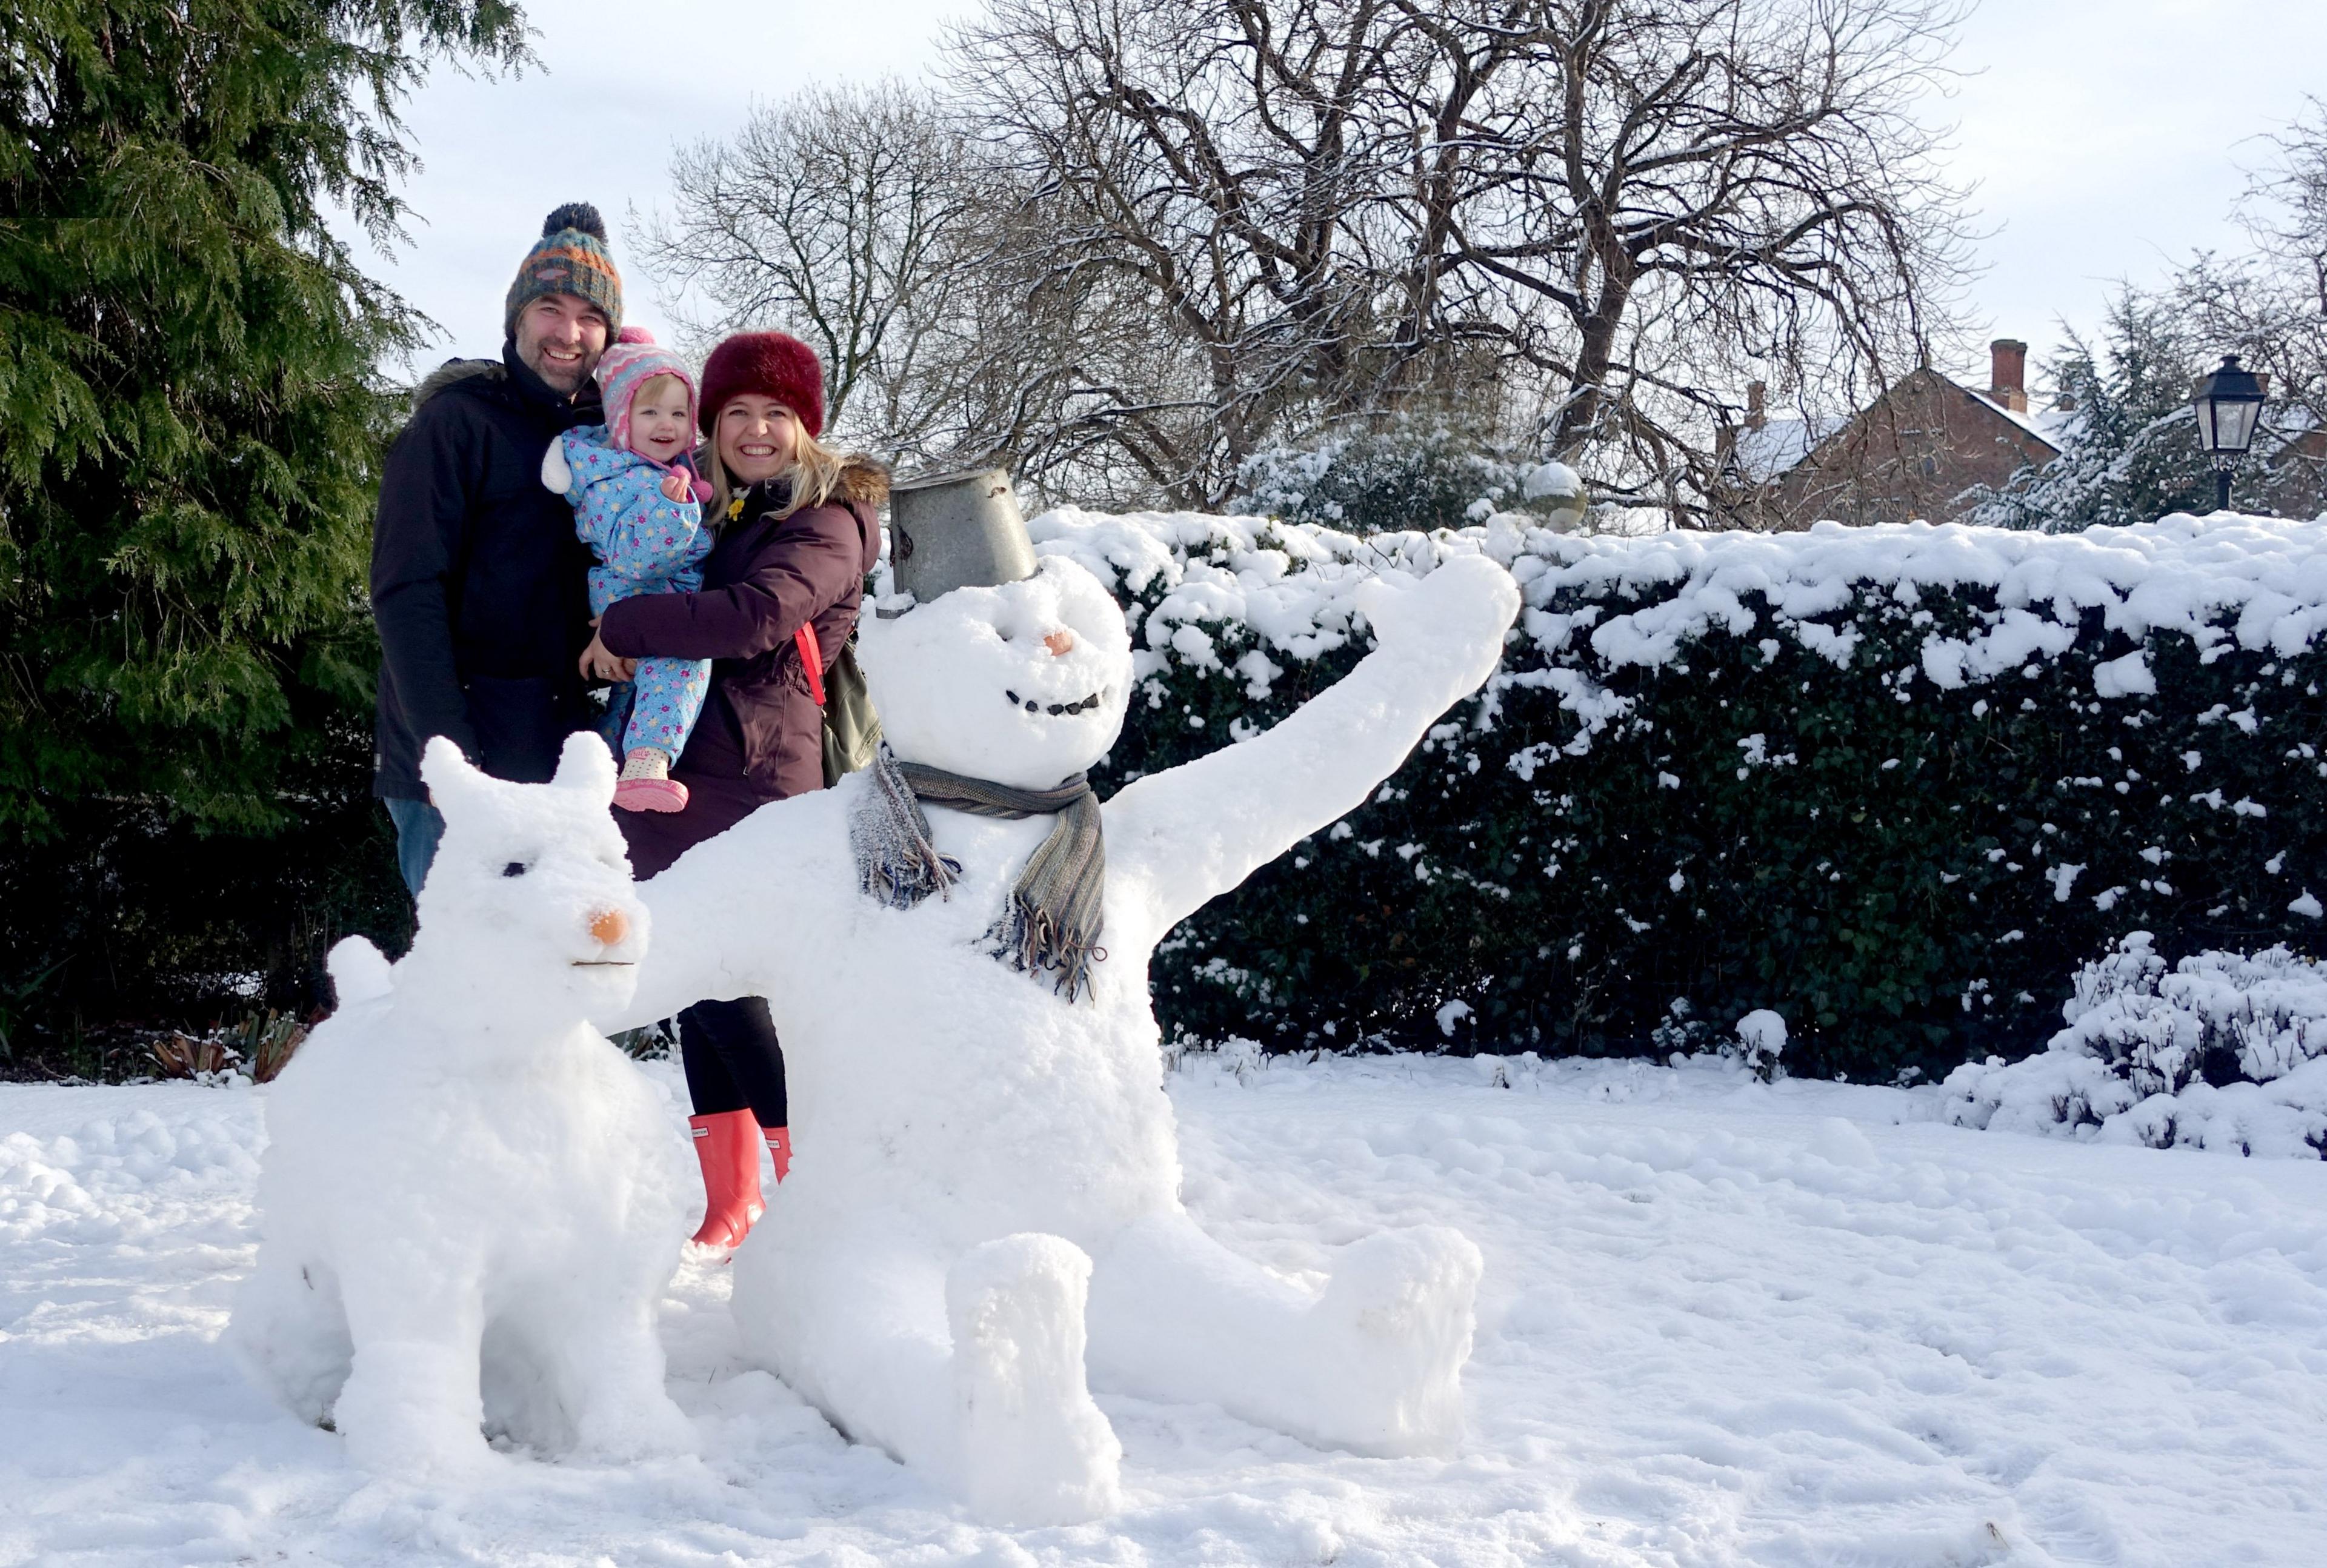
[{"x": 811, "y": 659}]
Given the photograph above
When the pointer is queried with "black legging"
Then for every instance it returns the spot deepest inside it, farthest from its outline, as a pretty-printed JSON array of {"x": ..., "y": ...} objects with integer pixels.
[{"x": 733, "y": 1060}]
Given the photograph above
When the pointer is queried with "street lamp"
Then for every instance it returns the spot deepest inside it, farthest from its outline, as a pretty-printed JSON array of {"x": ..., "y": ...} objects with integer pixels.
[{"x": 2228, "y": 404}]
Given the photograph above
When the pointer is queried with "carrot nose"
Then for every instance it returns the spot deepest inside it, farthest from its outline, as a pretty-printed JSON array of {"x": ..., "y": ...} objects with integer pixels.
[
  {"x": 1058, "y": 642},
  {"x": 611, "y": 926}
]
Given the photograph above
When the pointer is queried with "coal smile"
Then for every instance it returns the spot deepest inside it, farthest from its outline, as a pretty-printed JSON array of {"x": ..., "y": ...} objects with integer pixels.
[{"x": 1054, "y": 709}]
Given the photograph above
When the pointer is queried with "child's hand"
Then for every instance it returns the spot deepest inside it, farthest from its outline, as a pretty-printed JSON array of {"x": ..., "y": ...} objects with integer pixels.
[{"x": 674, "y": 486}]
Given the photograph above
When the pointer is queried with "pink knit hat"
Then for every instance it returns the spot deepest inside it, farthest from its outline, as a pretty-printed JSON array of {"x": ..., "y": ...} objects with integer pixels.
[{"x": 629, "y": 363}]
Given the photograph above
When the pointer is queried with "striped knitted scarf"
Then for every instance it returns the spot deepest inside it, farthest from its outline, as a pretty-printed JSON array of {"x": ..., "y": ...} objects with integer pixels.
[{"x": 1051, "y": 920}]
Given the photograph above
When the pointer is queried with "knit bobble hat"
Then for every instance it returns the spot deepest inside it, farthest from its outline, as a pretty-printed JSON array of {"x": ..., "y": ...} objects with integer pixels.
[
  {"x": 772, "y": 364},
  {"x": 629, "y": 363},
  {"x": 569, "y": 259}
]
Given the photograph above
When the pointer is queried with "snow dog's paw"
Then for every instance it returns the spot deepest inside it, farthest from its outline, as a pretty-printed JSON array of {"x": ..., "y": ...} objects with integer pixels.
[
  {"x": 411, "y": 1409},
  {"x": 1034, "y": 1448}
]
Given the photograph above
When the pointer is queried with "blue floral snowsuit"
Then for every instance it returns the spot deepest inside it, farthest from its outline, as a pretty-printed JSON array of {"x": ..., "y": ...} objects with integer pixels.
[{"x": 646, "y": 542}]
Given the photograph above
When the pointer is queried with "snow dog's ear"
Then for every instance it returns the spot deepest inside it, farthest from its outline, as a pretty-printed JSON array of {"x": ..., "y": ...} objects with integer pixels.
[
  {"x": 586, "y": 767},
  {"x": 447, "y": 774}
]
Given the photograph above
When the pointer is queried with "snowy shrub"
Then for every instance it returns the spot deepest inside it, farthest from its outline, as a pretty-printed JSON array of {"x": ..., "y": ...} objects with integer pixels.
[
  {"x": 2222, "y": 1052},
  {"x": 255, "y": 1050},
  {"x": 1761, "y": 1042},
  {"x": 1413, "y": 475},
  {"x": 1892, "y": 783}
]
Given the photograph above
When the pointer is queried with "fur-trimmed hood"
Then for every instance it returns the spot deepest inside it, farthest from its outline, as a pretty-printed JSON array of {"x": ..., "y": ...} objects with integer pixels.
[
  {"x": 451, "y": 373},
  {"x": 507, "y": 379},
  {"x": 864, "y": 479}
]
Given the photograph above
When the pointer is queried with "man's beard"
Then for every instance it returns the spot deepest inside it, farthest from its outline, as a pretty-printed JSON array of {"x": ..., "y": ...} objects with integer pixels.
[{"x": 553, "y": 376}]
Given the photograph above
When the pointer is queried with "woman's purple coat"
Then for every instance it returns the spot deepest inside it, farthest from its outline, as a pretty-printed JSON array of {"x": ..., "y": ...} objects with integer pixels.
[{"x": 761, "y": 737}]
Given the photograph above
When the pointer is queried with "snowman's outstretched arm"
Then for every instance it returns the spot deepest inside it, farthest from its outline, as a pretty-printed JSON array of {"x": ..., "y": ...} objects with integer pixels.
[
  {"x": 722, "y": 920},
  {"x": 1184, "y": 836}
]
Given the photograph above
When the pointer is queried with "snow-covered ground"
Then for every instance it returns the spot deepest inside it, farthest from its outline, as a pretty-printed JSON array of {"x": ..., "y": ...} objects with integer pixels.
[{"x": 1721, "y": 1323}]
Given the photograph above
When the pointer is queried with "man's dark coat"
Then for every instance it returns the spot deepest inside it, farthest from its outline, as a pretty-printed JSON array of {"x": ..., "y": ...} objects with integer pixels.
[{"x": 478, "y": 580}]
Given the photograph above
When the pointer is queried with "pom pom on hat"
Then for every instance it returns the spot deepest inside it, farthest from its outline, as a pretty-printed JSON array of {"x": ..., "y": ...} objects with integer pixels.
[
  {"x": 772, "y": 364},
  {"x": 634, "y": 335},
  {"x": 569, "y": 259},
  {"x": 579, "y": 216}
]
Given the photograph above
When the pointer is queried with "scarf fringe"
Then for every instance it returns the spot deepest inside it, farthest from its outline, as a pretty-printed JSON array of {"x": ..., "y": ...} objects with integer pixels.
[
  {"x": 1032, "y": 942},
  {"x": 896, "y": 862}
]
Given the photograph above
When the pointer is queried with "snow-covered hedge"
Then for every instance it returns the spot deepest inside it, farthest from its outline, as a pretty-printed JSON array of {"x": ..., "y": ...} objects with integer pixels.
[
  {"x": 1891, "y": 783},
  {"x": 2222, "y": 1052}
]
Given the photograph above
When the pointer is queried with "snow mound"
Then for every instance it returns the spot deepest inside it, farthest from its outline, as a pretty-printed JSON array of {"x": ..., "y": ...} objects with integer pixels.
[{"x": 2225, "y": 1051}]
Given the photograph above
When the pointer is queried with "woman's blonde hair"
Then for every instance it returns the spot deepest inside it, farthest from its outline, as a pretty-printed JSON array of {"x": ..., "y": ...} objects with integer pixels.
[{"x": 814, "y": 473}]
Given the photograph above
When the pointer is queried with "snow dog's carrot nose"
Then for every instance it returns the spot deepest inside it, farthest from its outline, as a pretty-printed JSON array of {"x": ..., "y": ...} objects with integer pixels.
[
  {"x": 1059, "y": 642},
  {"x": 611, "y": 926}
]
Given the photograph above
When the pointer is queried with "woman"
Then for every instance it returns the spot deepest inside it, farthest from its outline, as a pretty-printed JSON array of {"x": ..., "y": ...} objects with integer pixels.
[{"x": 796, "y": 536}]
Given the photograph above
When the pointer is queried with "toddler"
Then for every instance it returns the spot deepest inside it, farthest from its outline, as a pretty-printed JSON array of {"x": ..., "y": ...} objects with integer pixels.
[{"x": 638, "y": 504}]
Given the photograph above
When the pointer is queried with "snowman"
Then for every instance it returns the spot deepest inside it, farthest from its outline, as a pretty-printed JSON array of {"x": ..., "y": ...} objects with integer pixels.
[{"x": 983, "y": 1216}]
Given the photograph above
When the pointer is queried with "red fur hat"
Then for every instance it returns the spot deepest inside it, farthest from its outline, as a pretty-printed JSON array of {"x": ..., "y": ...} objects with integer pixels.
[{"x": 772, "y": 364}]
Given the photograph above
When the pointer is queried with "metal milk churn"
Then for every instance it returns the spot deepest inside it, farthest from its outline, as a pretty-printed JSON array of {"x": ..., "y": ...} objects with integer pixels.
[{"x": 961, "y": 529}]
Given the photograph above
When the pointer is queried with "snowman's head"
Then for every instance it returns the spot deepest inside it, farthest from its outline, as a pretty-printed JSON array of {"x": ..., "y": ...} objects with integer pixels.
[
  {"x": 1023, "y": 684},
  {"x": 528, "y": 906}
]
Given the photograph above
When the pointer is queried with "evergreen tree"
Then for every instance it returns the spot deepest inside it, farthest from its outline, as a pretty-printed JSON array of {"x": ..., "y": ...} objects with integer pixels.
[
  {"x": 190, "y": 418},
  {"x": 2133, "y": 452}
]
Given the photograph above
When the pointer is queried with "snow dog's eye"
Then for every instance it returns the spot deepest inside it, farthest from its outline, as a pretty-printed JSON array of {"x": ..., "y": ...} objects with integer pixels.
[{"x": 514, "y": 868}]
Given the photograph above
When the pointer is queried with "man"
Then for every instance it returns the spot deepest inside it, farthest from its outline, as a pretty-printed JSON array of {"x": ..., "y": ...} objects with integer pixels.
[{"x": 477, "y": 578}]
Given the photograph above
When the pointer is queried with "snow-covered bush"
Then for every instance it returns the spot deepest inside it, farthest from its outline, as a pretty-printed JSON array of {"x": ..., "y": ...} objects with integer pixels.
[
  {"x": 1893, "y": 782},
  {"x": 1761, "y": 1042},
  {"x": 1412, "y": 474},
  {"x": 2222, "y": 1052}
]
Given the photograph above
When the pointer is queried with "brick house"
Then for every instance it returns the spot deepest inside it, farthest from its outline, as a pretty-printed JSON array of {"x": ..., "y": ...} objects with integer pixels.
[
  {"x": 2286, "y": 473},
  {"x": 1924, "y": 449}
]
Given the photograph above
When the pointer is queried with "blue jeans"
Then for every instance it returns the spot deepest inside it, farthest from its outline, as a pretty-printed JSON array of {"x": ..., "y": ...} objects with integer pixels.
[{"x": 419, "y": 827}]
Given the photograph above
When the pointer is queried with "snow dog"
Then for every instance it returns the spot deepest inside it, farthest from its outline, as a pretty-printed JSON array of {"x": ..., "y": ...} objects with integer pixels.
[
  {"x": 983, "y": 1215},
  {"x": 471, "y": 1199}
]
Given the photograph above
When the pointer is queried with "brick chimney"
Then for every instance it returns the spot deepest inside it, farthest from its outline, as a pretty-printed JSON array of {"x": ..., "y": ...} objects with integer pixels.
[
  {"x": 2007, "y": 373},
  {"x": 1757, "y": 406}
]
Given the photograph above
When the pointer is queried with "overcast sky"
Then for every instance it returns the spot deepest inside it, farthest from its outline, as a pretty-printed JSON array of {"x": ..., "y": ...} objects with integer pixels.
[{"x": 2108, "y": 138}]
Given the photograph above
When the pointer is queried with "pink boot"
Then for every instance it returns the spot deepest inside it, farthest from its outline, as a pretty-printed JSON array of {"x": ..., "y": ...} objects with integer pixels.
[
  {"x": 779, "y": 1150},
  {"x": 727, "y": 1146},
  {"x": 645, "y": 784}
]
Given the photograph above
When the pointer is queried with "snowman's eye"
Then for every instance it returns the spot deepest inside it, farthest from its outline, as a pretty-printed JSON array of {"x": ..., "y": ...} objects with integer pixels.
[{"x": 516, "y": 868}]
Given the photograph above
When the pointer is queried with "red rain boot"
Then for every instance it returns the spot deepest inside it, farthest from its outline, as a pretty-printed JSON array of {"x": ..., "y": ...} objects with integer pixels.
[
  {"x": 728, "y": 1147},
  {"x": 779, "y": 1150}
]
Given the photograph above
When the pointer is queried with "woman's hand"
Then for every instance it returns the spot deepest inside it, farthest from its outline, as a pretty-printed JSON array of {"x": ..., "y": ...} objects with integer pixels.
[{"x": 597, "y": 663}]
